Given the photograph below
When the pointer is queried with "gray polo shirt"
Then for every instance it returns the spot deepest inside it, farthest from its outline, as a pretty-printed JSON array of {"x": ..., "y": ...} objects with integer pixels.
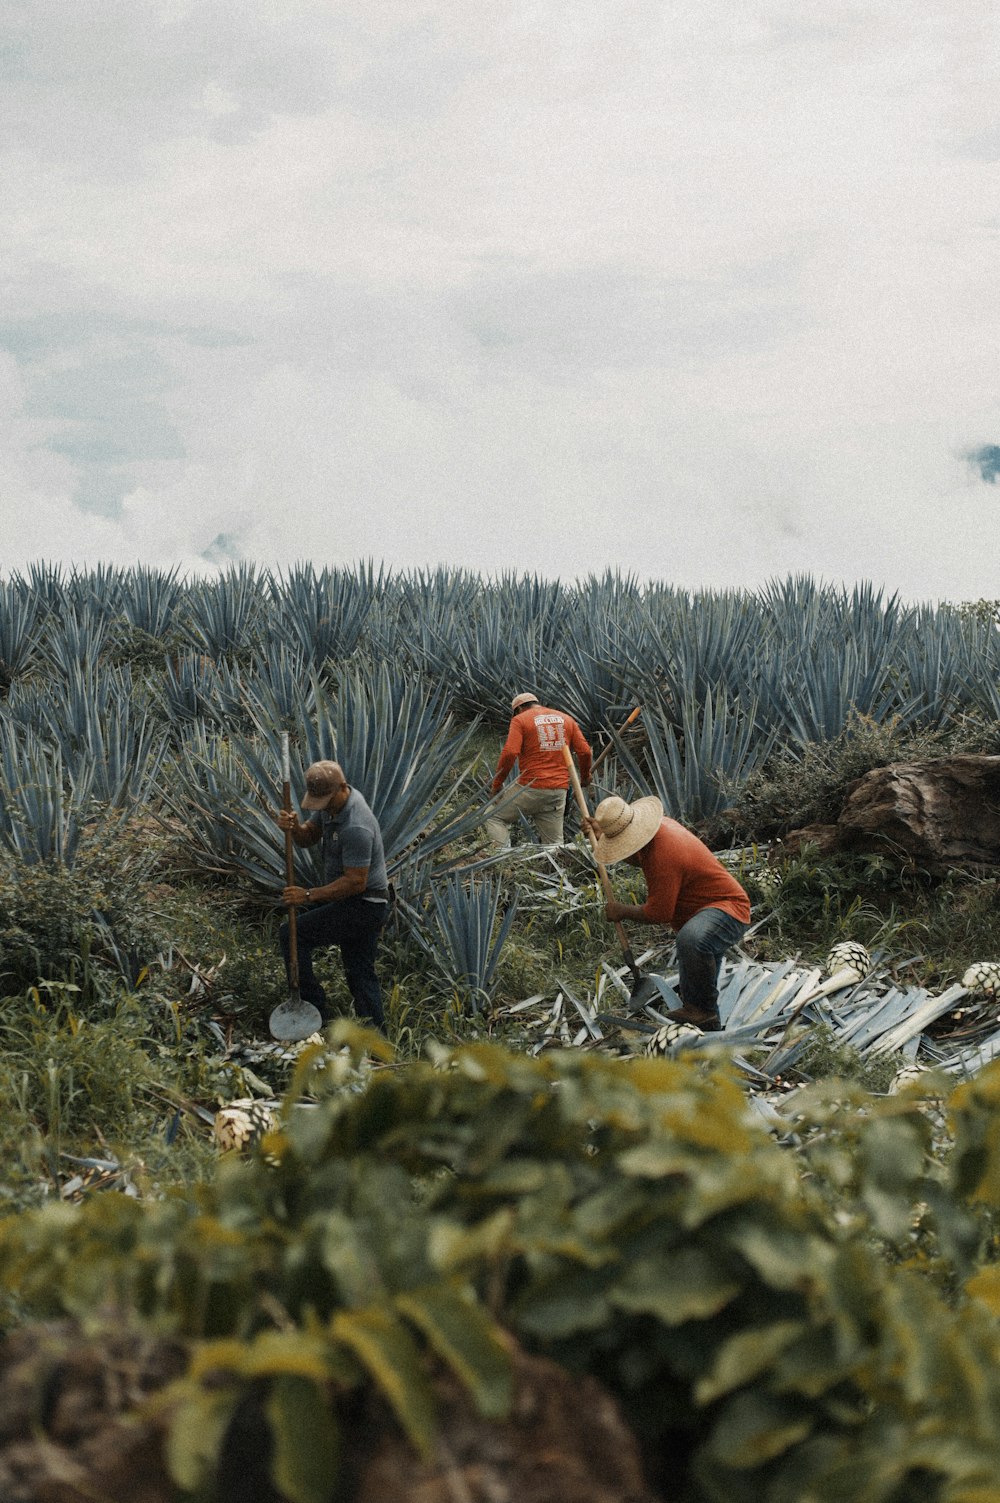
[{"x": 353, "y": 838}]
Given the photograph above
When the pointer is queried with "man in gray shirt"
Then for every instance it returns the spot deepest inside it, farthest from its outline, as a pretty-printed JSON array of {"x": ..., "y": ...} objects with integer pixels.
[{"x": 352, "y": 904}]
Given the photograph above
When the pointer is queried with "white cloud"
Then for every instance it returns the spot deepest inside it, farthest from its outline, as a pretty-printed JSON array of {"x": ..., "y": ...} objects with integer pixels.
[{"x": 708, "y": 294}]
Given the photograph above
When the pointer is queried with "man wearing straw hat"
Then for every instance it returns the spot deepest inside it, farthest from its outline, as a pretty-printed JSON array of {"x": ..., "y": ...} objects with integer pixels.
[
  {"x": 535, "y": 742},
  {"x": 687, "y": 888}
]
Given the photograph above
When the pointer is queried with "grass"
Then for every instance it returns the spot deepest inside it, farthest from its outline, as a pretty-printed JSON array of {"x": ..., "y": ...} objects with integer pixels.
[{"x": 105, "y": 1025}]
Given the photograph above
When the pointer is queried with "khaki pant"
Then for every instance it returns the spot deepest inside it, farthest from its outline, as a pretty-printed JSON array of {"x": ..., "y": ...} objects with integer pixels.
[{"x": 543, "y": 806}]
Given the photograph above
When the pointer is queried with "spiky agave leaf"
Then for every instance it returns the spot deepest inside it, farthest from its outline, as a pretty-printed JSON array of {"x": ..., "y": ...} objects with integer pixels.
[
  {"x": 690, "y": 646},
  {"x": 74, "y": 637},
  {"x": 20, "y": 615},
  {"x": 396, "y": 745},
  {"x": 226, "y": 812},
  {"x": 149, "y": 599},
  {"x": 227, "y": 614},
  {"x": 936, "y": 667},
  {"x": 321, "y": 616},
  {"x": 43, "y": 808},
  {"x": 95, "y": 716},
  {"x": 191, "y": 691},
  {"x": 278, "y": 688},
  {"x": 718, "y": 742},
  {"x": 820, "y": 693},
  {"x": 466, "y": 941}
]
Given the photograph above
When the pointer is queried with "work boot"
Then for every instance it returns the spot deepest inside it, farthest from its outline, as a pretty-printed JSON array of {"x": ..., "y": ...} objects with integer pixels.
[{"x": 698, "y": 1017}]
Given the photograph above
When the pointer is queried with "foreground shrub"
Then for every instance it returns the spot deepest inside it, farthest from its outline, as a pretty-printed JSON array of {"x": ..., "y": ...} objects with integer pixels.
[{"x": 622, "y": 1217}]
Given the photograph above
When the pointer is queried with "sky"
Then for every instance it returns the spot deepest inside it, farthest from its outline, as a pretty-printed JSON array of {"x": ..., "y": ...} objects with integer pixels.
[{"x": 704, "y": 291}]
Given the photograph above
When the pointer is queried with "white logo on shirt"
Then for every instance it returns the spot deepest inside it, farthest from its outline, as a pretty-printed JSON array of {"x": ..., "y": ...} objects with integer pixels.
[{"x": 551, "y": 731}]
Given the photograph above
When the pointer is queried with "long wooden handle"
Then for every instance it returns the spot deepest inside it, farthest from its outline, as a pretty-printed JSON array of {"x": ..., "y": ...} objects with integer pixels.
[
  {"x": 602, "y": 870},
  {"x": 621, "y": 730},
  {"x": 286, "y": 804}
]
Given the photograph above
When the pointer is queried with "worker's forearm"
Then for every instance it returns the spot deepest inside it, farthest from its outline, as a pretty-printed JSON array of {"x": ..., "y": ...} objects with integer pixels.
[
  {"x": 617, "y": 912},
  {"x": 337, "y": 890},
  {"x": 634, "y": 915}
]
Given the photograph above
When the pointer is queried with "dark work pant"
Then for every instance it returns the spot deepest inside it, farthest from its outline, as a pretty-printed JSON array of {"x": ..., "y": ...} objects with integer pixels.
[
  {"x": 701, "y": 944},
  {"x": 354, "y": 925}
]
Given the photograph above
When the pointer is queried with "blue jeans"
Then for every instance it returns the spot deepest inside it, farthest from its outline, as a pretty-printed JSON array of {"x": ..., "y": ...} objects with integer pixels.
[
  {"x": 701, "y": 944},
  {"x": 354, "y": 925}
]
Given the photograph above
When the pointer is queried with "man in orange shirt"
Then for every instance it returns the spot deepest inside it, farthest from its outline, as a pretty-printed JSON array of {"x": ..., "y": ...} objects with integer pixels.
[
  {"x": 687, "y": 887},
  {"x": 535, "y": 742}
]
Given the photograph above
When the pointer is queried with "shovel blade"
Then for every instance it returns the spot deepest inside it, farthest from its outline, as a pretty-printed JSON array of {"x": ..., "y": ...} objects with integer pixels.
[
  {"x": 294, "y": 1020},
  {"x": 651, "y": 989}
]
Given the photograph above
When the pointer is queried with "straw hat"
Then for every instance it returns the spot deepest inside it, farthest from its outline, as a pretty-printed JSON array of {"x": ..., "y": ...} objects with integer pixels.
[
  {"x": 625, "y": 828},
  {"x": 520, "y": 700}
]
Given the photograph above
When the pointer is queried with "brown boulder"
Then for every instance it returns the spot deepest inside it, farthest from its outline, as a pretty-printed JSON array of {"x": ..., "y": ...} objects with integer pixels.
[
  {"x": 564, "y": 1442},
  {"x": 74, "y": 1428},
  {"x": 66, "y": 1404},
  {"x": 936, "y": 815}
]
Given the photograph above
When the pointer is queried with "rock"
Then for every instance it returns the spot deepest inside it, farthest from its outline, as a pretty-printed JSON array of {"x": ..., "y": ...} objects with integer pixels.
[
  {"x": 936, "y": 815},
  {"x": 565, "y": 1442},
  {"x": 74, "y": 1428},
  {"x": 66, "y": 1404},
  {"x": 824, "y": 840}
]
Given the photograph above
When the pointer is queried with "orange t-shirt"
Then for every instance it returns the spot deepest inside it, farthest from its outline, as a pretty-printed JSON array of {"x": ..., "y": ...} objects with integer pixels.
[
  {"x": 683, "y": 877},
  {"x": 535, "y": 741}
]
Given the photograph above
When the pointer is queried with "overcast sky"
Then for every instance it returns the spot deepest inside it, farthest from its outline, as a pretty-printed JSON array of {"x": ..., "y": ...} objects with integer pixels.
[{"x": 706, "y": 290}]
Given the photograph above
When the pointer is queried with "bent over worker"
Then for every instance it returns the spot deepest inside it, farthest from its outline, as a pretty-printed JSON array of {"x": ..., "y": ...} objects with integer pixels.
[
  {"x": 687, "y": 887},
  {"x": 535, "y": 742},
  {"x": 350, "y": 907}
]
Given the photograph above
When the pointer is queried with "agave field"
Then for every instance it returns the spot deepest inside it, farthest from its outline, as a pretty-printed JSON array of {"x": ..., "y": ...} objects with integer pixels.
[{"x": 792, "y": 1314}]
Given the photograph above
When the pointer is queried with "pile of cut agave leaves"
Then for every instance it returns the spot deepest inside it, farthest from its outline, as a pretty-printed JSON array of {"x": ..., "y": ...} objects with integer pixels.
[
  {"x": 770, "y": 1010},
  {"x": 767, "y": 1009}
]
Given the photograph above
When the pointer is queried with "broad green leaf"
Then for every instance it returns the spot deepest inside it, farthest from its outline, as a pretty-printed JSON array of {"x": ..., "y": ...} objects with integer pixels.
[
  {"x": 197, "y": 1428},
  {"x": 563, "y": 1305},
  {"x": 781, "y": 1255},
  {"x": 655, "y": 1159},
  {"x": 453, "y": 1246},
  {"x": 349, "y": 1259},
  {"x": 891, "y": 1211},
  {"x": 689, "y": 1284},
  {"x": 755, "y": 1427},
  {"x": 387, "y": 1350},
  {"x": 811, "y": 1364},
  {"x": 515, "y": 1177},
  {"x": 745, "y": 1356},
  {"x": 291, "y": 1353},
  {"x": 985, "y": 1285},
  {"x": 304, "y": 1463},
  {"x": 654, "y": 1076},
  {"x": 466, "y": 1338}
]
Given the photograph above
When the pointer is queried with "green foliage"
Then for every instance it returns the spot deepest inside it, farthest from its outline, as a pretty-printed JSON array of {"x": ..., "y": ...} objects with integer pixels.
[
  {"x": 621, "y": 1216},
  {"x": 90, "y": 924},
  {"x": 823, "y": 1058},
  {"x": 67, "y": 1075},
  {"x": 806, "y": 785},
  {"x": 780, "y": 1323},
  {"x": 985, "y": 612}
]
